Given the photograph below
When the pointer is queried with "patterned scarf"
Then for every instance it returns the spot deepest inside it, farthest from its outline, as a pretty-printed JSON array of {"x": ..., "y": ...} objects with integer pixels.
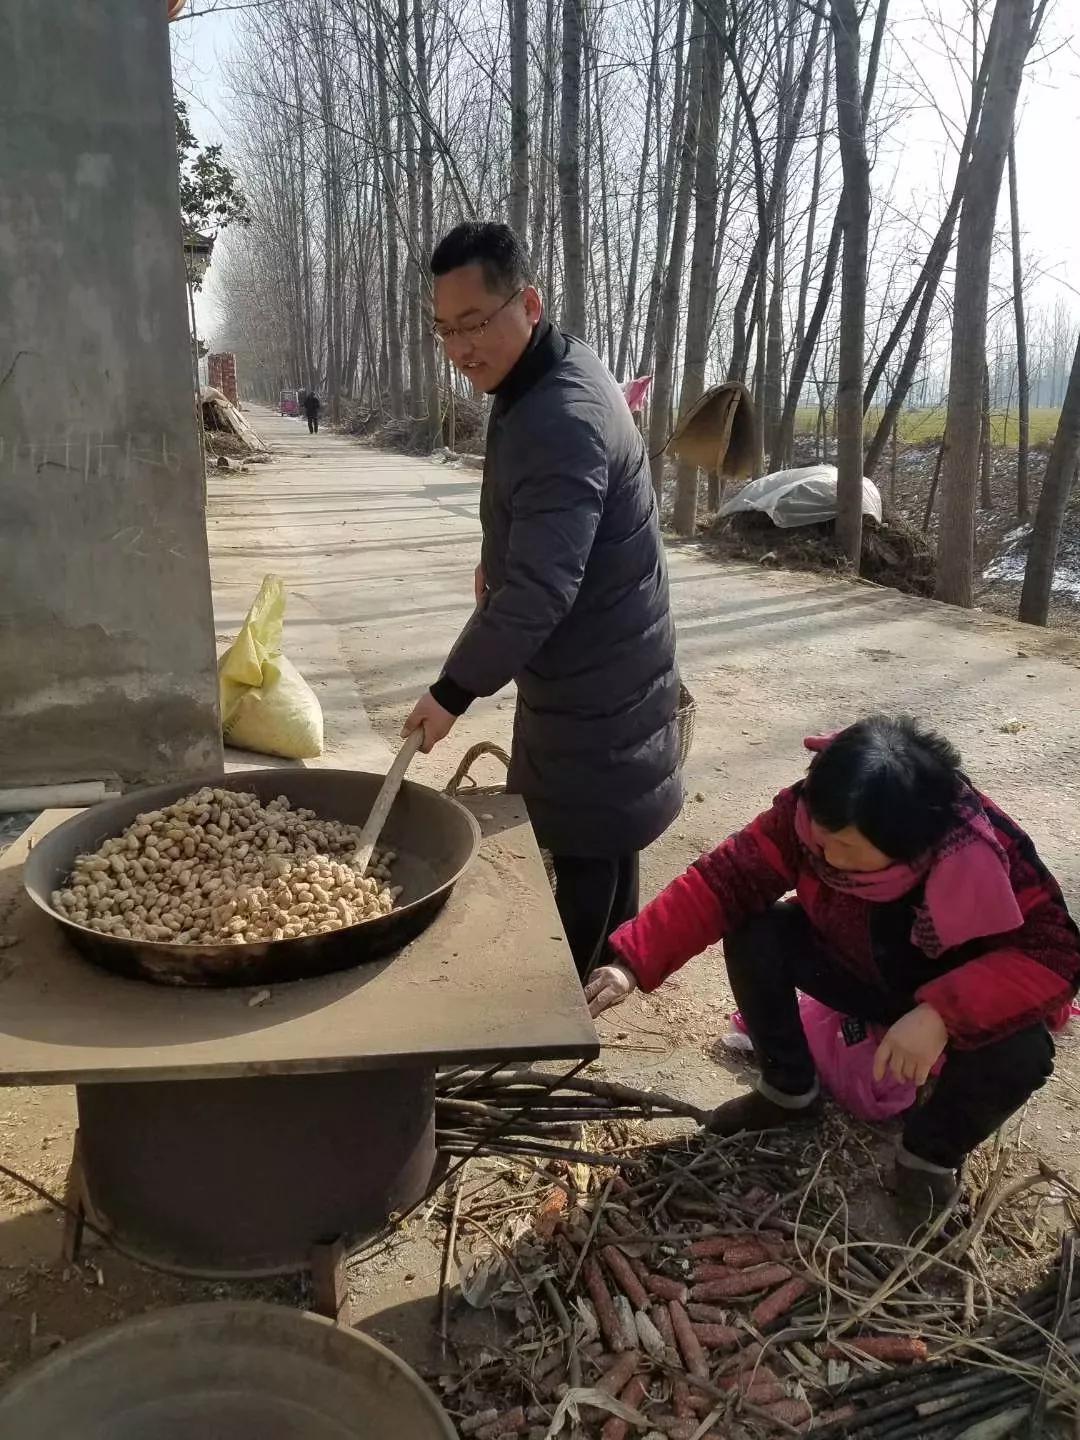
[{"x": 968, "y": 891}]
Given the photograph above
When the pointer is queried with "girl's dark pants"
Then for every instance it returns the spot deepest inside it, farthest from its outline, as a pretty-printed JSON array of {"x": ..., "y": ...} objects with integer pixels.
[
  {"x": 594, "y": 897},
  {"x": 779, "y": 953}
]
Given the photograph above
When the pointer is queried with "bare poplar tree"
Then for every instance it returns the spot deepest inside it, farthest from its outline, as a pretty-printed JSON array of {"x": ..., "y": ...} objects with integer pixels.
[
  {"x": 924, "y": 292},
  {"x": 806, "y": 351},
  {"x": 1054, "y": 497},
  {"x": 1023, "y": 383},
  {"x": 849, "y": 390},
  {"x": 363, "y": 128},
  {"x": 427, "y": 226},
  {"x": 986, "y": 496},
  {"x": 630, "y": 301},
  {"x": 699, "y": 300},
  {"x": 975, "y": 241},
  {"x": 671, "y": 293},
  {"x": 389, "y": 195},
  {"x": 574, "y": 317},
  {"x": 519, "y": 117},
  {"x": 543, "y": 160},
  {"x": 407, "y": 148},
  {"x": 667, "y": 170},
  {"x": 776, "y": 441}
]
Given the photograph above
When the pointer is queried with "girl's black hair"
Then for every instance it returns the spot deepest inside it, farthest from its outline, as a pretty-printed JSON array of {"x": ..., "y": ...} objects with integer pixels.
[{"x": 894, "y": 781}]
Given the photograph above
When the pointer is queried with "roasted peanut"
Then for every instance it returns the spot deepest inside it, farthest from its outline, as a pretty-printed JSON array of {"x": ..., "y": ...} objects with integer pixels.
[{"x": 219, "y": 868}]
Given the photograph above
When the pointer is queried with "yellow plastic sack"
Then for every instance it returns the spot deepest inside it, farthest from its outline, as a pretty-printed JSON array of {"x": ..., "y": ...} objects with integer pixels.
[{"x": 266, "y": 704}]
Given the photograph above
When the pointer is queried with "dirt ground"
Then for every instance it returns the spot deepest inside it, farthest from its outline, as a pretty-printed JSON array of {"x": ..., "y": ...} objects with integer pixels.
[{"x": 377, "y": 552}]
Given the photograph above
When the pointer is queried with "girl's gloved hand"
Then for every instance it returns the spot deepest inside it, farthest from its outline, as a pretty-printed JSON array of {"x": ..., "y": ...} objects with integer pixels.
[{"x": 608, "y": 986}]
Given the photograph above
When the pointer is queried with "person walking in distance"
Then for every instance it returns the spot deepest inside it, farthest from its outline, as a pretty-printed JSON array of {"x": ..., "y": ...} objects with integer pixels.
[
  {"x": 571, "y": 590},
  {"x": 312, "y": 406}
]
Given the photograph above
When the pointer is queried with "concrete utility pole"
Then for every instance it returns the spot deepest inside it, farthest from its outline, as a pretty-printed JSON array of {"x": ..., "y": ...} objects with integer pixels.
[{"x": 106, "y": 631}]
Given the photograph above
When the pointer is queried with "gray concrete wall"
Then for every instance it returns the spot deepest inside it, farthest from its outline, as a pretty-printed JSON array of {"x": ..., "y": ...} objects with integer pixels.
[{"x": 106, "y": 630}]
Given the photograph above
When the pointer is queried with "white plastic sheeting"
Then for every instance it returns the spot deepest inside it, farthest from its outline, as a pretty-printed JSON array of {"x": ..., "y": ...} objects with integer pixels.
[{"x": 806, "y": 496}]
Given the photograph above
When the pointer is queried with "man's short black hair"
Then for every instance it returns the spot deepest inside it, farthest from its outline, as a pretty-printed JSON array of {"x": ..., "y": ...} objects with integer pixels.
[
  {"x": 894, "y": 781},
  {"x": 492, "y": 246}
]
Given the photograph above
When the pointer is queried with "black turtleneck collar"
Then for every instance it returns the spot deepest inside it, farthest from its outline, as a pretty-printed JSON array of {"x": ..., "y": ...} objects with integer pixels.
[{"x": 546, "y": 347}]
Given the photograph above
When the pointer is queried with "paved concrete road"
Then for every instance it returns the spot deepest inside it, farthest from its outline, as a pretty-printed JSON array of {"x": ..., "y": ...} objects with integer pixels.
[{"x": 378, "y": 551}]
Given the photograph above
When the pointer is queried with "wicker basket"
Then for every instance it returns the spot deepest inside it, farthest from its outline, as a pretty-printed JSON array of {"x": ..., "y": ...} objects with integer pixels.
[
  {"x": 462, "y": 778},
  {"x": 685, "y": 716}
]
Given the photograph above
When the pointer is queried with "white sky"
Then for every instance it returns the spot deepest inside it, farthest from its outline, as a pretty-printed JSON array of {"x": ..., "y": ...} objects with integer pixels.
[{"x": 1048, "y": 136}]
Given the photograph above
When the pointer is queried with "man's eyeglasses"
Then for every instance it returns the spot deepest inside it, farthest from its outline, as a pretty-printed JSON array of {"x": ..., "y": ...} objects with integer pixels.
[{"x": 451, "y": 334}]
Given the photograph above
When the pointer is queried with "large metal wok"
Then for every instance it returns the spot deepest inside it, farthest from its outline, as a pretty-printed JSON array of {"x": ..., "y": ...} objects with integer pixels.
[{"x": 436, "y": 840}]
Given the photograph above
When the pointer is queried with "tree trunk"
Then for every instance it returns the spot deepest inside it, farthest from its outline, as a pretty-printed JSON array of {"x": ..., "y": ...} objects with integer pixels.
[
  {"x": 383, "y": 379},
  {"x": 427, "y": 229},
  {"x": 519, "y": 118},
  {"x": 393, "y": 284},
  {"x": 699, "y": 306},
  {"x": 668, "y": 169},
  {"x": 924, "y": 292},
  {"x": 771, "y": 336},
  {"x": 715, "y": 486},
  {"x": 607, "y": 317},
  {"x": 544, "y": 159},
  {"x": 1023, "y": 383},
  {"x": 308, "y": 308},
  {"x": 574, "y": 319},
  {"x": 955, "y": 580},
  {"x": 757, "y": 388},
  {"x": 928, "y": 513},
  {"x": 333, "y": 231},
  {"x": 630, "y": 301},
  {"x": 730, "y": 167},
  {"x": 774, "y": 349},
  {"x": 407, "y": 146},
  {"x": 986, "y": 496},
  {"x": 668, "y": 318},
  {"x": 811, "y": 217},
  {"x": 767, "y": 203},
  {"x": 849, "y": 390},
  {"x": 1050, "y": 513},
  {"x": 804, "y": 356},
  {"x": 586, "y": 166}
]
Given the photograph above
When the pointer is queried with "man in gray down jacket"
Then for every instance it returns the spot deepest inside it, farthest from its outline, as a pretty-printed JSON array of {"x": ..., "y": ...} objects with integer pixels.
[{"x": 571, "y": 590}]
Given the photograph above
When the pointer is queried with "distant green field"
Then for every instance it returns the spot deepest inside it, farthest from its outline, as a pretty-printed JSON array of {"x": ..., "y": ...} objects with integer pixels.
[{"x": 922, "y": 427}]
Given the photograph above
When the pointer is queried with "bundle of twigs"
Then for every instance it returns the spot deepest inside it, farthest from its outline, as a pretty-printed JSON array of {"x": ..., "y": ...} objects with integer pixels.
[
  {"x": 702, "y": 1287},
  {"x": 682, "y": 1292},
  {"x": 518, "y": 1112},
  {"x": 1001, "y": 1381}
]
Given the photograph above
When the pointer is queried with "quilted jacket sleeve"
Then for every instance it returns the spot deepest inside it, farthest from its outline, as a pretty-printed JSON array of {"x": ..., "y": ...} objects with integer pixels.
[{"x": 719, "y": 893}]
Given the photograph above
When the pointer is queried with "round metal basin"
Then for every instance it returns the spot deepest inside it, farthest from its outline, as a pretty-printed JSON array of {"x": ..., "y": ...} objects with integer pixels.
[
  {"x": 435, "y": 837},
  {"x": 222, "y": 1372}
]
